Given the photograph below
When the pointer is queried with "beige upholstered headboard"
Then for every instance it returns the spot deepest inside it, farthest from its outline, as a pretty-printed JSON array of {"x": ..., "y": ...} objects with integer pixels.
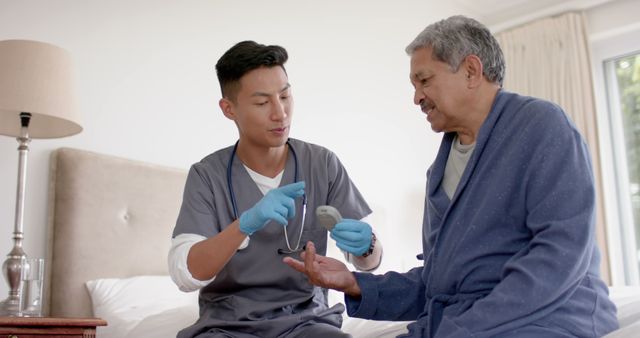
[{"x": 109, "y": 217}]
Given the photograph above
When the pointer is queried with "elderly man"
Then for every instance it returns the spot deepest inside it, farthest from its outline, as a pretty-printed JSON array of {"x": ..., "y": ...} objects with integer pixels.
[{"x": 508, "y": 231}]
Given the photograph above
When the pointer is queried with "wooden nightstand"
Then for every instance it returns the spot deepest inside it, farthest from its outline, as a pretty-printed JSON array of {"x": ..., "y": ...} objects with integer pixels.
[{"x": 40, "y": 327}]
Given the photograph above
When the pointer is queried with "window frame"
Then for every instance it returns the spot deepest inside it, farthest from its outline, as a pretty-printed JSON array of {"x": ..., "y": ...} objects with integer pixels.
[{"x": 620, "y": 228}]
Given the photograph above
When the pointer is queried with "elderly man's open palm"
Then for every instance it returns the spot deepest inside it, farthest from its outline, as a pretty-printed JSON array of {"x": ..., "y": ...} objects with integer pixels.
[{"x": 325, "y": 271}]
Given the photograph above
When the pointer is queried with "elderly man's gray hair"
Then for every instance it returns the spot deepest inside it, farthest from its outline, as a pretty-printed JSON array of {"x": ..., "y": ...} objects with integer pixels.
[{"x": 455, "y": 38}]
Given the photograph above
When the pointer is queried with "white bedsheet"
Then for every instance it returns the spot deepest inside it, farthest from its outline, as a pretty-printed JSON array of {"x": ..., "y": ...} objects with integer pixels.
[
  {"x": 168, "y": 322},
  {"x": 627, "y": 300}
]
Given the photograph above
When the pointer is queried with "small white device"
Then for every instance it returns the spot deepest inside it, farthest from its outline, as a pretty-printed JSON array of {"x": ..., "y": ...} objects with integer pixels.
[{"x": 328, "y": 216}]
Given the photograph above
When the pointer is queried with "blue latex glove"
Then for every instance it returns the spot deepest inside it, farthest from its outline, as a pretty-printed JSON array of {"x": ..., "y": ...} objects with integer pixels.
[
  {"x": 277, "y": 205},
  {"x": 352, "y": 236}
]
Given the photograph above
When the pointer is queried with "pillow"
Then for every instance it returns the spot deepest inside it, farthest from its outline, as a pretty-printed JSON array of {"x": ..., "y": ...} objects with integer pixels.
[{"x": 125, "y": 302}]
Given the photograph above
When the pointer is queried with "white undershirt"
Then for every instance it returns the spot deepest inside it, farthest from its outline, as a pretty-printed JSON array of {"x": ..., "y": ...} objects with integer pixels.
[
  {"x": 456, "y": 163},
  {"x": 181, "y": 244},
  {"x": 265, "y": 183}
]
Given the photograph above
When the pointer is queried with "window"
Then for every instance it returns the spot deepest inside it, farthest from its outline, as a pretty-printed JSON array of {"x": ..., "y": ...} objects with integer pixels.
[
  {"x": 616, "y": 73},
  {"x": 622, "y": 79}
]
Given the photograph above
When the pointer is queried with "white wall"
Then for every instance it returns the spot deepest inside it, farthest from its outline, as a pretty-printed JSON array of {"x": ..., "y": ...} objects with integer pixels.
[
  {"x": 148, "y": 91},
  {"x": 612, "y": 19}
]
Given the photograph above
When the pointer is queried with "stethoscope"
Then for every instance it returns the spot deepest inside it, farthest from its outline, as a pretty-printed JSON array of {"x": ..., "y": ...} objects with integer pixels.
[{"x": 289, "y": 249}]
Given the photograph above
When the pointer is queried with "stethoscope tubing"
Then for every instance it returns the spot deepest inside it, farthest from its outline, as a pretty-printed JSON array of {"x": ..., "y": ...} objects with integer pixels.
[{"x": 295, "y": 179}]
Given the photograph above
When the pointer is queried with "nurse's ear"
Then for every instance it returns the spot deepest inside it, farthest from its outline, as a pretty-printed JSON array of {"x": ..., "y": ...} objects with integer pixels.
[{"x": 226, "y": 106}]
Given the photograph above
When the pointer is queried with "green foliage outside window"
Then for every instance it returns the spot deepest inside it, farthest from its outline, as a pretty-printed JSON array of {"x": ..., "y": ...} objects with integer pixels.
[{"x": 628, "y": 75}]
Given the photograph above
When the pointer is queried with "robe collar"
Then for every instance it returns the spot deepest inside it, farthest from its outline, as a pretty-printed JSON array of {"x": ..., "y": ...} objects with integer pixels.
[{"x": 435, "y": 191}]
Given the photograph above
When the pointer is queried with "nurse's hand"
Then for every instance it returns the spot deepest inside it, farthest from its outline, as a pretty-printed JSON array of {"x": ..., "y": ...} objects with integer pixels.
[
  {"x": 352, "y": 236},
  {"x": 325, "y": 272},
  {"x": 277, "y": 205}
]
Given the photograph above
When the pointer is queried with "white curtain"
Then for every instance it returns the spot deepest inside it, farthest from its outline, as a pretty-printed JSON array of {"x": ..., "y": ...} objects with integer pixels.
[{"x": 549, "y": 59}]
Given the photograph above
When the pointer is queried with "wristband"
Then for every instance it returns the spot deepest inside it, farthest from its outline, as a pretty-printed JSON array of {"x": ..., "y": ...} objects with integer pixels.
[{"x": 373, "y": 244}]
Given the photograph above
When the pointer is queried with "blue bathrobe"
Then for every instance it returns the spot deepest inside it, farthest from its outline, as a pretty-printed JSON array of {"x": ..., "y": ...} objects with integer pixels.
[{"x": 512, "y": 253}]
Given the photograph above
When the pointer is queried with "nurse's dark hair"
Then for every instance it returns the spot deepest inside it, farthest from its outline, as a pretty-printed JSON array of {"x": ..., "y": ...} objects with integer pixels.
[
  {"x": 242, "y": 58},
  {"x": 457, "y": 37}
]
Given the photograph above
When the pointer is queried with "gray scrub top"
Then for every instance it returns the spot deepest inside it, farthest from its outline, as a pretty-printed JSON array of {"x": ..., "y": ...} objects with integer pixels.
[{"x": 256, "y": 294}]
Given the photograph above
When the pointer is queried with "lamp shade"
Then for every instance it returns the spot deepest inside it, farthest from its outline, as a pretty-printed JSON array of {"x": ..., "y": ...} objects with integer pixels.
[{"x": 36, "y": 78}]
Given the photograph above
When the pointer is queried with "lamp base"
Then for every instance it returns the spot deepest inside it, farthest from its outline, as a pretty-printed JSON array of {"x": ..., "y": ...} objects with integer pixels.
[
  {"x": 10, "y": 307},
  {"x": 12, "y": 269}
]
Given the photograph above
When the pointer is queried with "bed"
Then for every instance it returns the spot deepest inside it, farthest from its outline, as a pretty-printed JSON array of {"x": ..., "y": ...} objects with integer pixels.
[{"x": 109, "y": 230}]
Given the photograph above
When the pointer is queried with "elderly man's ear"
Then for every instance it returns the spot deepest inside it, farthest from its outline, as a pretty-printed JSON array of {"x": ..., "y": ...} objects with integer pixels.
[{"x": 472, "y": 66}]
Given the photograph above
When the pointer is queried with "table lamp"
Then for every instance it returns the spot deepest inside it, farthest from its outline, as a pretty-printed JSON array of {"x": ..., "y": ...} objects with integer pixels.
[{"x": 36, "y": 101}]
